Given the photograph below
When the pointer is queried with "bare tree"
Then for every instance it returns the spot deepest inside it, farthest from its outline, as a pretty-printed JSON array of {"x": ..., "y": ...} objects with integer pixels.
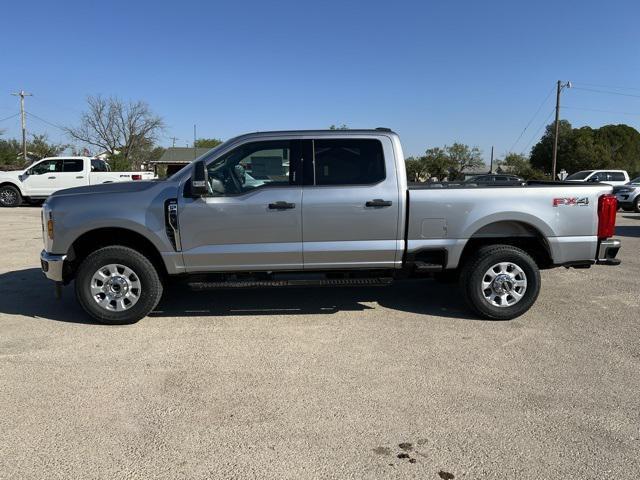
[{"x": 116, "y": 127}]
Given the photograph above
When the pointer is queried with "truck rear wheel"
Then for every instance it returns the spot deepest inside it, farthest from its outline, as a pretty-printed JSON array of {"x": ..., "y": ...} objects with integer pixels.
[
  {"x": 500, "y": 282},
  {"x": 10, "y": 196},
  {"x": 117, "y": 285}
]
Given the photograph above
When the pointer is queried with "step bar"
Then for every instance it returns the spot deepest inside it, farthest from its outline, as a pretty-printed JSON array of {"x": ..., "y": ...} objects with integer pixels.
[{"x": 325, "y": 282}]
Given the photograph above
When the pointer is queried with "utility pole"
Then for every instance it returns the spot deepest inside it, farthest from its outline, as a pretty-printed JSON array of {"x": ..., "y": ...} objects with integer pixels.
[
  {"x": 23, "y": 94},
  {"x": 194, "y": 141},
  {"x": 173, "y": 141},
  {"x": 557, "y": 127},
  {"x": 491, "y": 164}
]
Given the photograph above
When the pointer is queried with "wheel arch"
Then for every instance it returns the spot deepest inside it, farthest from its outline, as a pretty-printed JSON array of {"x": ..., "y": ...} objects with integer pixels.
[
  {"x": 95, "y": 239},
  {"x": 516, "y": 233},
  {"x": 5, "y": 183}
]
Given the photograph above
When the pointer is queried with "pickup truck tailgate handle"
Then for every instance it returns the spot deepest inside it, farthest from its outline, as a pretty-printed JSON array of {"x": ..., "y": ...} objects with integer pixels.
[
  {"x": 281, "y": 205},
  {"x": 378, "y": 202}
]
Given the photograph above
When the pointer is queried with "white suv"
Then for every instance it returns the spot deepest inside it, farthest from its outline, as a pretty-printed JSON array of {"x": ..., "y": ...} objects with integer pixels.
[{"x": 611, "y": 177}]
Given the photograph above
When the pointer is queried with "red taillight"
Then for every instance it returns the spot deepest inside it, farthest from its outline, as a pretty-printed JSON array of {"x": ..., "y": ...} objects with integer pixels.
[
  {"x": 136, "y": 177},
  {"x": 607, "y": 208}
]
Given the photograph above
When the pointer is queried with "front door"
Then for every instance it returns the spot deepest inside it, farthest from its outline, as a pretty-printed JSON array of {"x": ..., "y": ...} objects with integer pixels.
[
  {"x": 252, "y": 218},
  {"x": 41, "y": 179},
  {"x": 351, "y": 205}
]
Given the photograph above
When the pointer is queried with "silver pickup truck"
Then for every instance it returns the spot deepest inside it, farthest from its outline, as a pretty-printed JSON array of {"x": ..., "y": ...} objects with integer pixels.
[{"x": 317, "y": 208}]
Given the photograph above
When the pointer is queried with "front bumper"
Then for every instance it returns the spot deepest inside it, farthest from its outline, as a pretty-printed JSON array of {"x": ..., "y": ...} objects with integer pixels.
[
  {"x": 607, "y": 251},
  {"x": 52, "y": 265}
]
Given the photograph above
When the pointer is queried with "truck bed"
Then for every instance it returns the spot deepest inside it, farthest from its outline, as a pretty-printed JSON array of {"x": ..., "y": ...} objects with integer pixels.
[{"x": 446, "y": 215}]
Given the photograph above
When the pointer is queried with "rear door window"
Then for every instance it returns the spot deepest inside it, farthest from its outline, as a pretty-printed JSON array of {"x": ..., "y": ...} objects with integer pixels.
[
  {"x": 347, "y": 162},
  {"x": 616, "y": 176},
  {"x": 75, "y": 165}
]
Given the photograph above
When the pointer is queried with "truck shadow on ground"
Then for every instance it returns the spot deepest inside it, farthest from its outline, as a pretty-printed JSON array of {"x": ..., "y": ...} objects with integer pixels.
[{"x": 27, "y": 292}]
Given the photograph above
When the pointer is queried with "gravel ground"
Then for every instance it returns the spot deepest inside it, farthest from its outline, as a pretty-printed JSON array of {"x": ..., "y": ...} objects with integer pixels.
[{"x": 321, "y": 383}]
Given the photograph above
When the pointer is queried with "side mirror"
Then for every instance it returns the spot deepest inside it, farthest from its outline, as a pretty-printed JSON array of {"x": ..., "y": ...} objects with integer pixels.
[{"x": 199, "y": 179}]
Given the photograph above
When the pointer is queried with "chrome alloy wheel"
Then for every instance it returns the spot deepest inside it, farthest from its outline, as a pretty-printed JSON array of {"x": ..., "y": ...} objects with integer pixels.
[
  {"x": 8, "y": 196},
  {"x": 504, "y": 284},
  {"x": 115, "y": 287}
]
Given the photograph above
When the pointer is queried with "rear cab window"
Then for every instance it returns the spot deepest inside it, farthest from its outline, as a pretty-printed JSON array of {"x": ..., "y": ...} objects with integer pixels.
[
  {"x": 99, "y": 166},
  {"x": 347, "y": 162}
]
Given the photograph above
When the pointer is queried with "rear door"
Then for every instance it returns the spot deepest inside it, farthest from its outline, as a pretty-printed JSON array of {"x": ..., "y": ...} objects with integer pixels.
[
  {"x": 350, "y": 204},
  {"x": 252, "y": 218},
  {"x": 73, "y": 174}
]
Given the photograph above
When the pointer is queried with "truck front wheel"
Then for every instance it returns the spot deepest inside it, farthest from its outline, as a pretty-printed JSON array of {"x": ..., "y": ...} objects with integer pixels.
[
  {"x": 117, "y": 285},
  {"x": 10, "y": 196},
  {"x": 500, "y": 282}
]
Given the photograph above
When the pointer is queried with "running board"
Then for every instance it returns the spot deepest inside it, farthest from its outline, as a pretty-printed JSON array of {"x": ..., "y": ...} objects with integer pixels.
[{"x": 325, "y": 282}]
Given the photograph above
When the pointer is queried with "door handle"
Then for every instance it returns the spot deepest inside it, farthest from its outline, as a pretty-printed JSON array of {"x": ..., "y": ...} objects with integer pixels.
[
  {"x": 378, "y": 202},
  {"x": 80, "y": 176},
  {"x": 51, "y": 178},
  {"x": 281, "y": 205}
]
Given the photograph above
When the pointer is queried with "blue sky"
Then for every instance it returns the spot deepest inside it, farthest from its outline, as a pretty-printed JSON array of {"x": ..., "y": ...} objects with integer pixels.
[{"x": 435, "y": 72}]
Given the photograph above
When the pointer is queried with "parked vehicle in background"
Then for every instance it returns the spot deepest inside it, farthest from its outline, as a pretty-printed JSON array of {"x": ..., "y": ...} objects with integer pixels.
[
  {"x": 318, "y": 208},
  {"x": 628, "y": 195},
  {"x": 610, "y": 177},
  {"x": 57, "y": 173},
  {"x": 495, "y": 179}
]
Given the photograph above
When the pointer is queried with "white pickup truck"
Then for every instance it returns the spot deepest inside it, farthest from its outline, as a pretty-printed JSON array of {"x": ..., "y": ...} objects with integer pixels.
[{"x": 57, "y": 173}]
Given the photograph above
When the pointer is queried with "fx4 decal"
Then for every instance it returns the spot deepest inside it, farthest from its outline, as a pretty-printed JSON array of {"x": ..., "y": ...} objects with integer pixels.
[{"x": 571, "y": 202}]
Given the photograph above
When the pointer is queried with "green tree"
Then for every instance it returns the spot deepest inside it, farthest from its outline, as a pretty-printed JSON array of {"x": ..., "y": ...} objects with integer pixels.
[
  {"x": 610, "y": 146},
  {"x": 415, "y": 169},
  {"x": 9, "y": 154},
  {"x": 40, "y": 147},
  {"x": 341, "y": 127},
  {"x": 438, "y": 163},
  {"x": 144, "y": 152},
  {"x": 463, "y": 158},
  {"x": 207, "y": 142},
  {"x": 518, "y": 164}
]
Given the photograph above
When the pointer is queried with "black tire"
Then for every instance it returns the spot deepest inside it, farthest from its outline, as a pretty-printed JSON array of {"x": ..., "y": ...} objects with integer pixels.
[
  {"x": 10, "y": 196},
  {"x": 636, "y": 204},
  {"x": 473, "y": 273},
  {"x": 150, "y": 284}
]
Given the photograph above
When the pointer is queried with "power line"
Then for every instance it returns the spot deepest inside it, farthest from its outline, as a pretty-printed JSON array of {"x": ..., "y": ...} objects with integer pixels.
[
  {"x": 532, "y": 119},
  {"x": 607, "y": 91},
  {"x": 46, "y": 121},
  {"x": 9, "y": 118},
  {"x": 606, "y": 86},
  {"x": 600, "y": 110},
  {"x": 544, "y": 124}
]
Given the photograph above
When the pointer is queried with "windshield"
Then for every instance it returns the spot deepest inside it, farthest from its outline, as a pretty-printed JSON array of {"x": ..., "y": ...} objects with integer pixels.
[
  {"x": 635, "y": 181},
  {"x": 579, "y": 175}
]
